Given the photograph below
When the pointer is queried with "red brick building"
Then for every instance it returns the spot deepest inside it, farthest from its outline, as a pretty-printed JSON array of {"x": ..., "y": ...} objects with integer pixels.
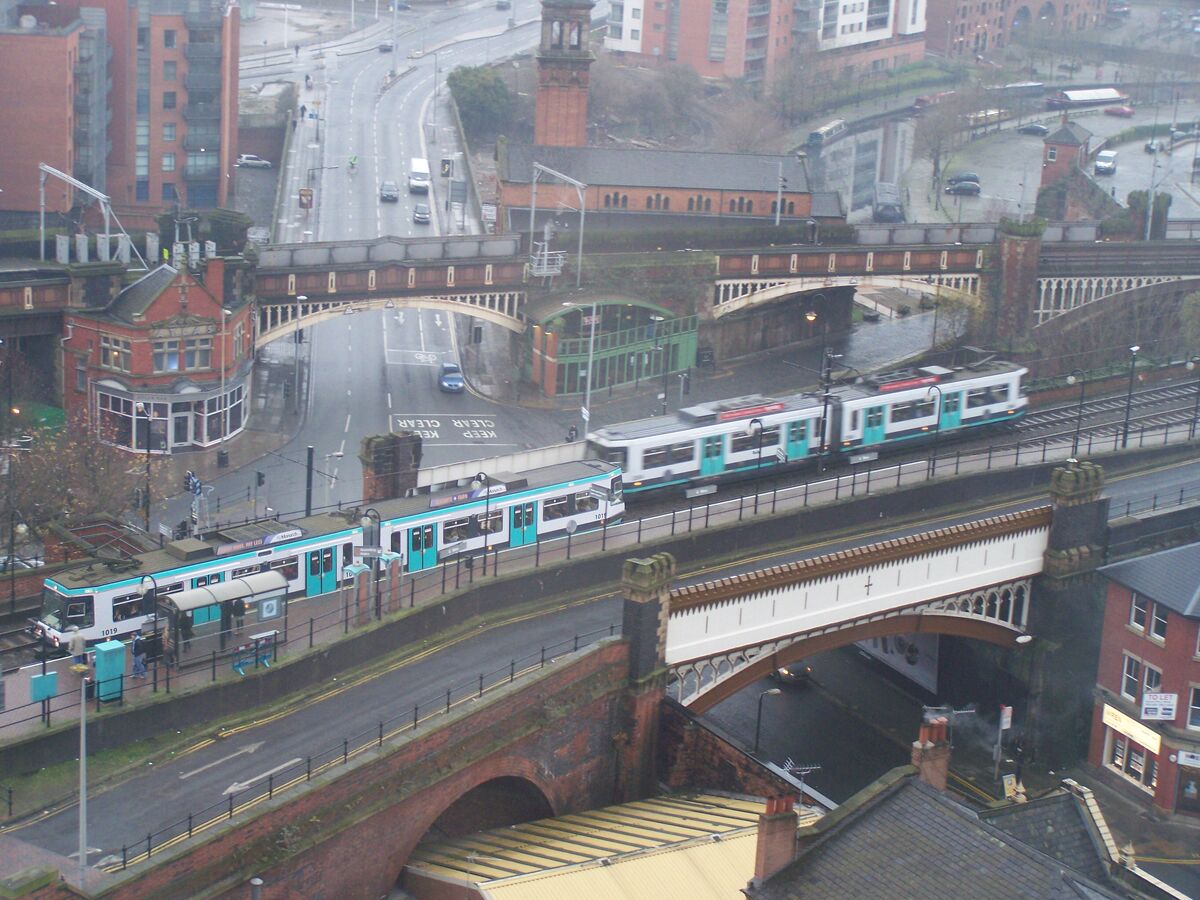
[
  {"x": 1064, "y": 150},
  {"x": 165, "y": 365},
  {"x": 1146, "y": 724},
  {"x": 966, "y": 29},
  {"x": 136, "y": 99}
]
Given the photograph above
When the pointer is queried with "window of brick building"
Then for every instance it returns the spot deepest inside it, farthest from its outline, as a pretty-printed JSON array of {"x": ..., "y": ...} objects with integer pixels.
[
  {"x": 1131, "y": 678},
  {"x": 169, "y": 38},
  {"x": 168, "y": 99},
  {"x": 170, "y": 69}
]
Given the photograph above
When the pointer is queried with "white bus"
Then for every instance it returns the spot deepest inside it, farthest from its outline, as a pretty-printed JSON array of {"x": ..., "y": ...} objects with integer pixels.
[
  {"x": 827, "y": 133},
  {"x": 418, "y": 176}
]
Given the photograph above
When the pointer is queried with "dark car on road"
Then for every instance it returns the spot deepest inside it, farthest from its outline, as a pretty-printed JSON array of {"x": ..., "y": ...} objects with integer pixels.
[
  {"x": 799, "y": 672},
  {"x": 389, "y": 191},
  {"x": 967, "y": 188},
  {"x": 421, "y": 213},
  {"x": 451, "y": 381},
  {"x": 1036, "y": 128},
  {"x": 960, "y": 177}
]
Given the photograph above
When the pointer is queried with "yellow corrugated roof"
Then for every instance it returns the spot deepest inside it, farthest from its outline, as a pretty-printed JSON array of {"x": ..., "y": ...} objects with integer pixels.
[{"x": 689, "y": 846}]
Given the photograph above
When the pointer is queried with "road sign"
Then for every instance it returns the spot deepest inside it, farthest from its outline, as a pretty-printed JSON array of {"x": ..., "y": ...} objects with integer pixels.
[
  {"x": 306, "y": 198},
  {"x": 447, "y": 168},
  {"x": 370, "y": 552},
  {"x": 166, "y": 531},
  {"x": 601, "y": 493},
  {"x": 1005, "y": 718},
  {"x": 583, "y": 411}
]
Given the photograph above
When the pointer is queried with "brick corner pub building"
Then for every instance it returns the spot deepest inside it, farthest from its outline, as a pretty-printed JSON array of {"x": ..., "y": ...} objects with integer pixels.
[
  {"x": 165, "y": 364},
  {"x": 1146, "y": 724}
]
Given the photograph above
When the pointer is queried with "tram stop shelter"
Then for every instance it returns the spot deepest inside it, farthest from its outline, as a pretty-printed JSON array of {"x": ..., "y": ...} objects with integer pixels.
[{"x": 204, "y": 615}]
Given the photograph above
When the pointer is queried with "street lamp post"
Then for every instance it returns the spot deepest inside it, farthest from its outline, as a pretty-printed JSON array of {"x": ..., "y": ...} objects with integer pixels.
[
  {"x": 225, "y": 314},
  {"x": 371, "y": 521},
  {"x": 1133, "y": 352},
  {"x": 482, "y": 481},
  {"x": 148, "y": 412},
  {"x": 1077, "y": 376},
  {"x": 296, "y": 346},
  {"x": 586, "y": 411},
  {"x": 826, "y": 385},
  {"x": 1193, "y": 365},
  {"x": 937, "y": 427},
  {"x": 770, "y": 692}
]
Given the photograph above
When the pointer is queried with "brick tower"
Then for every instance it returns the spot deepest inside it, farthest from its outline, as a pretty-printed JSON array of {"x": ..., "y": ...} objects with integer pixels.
[{"x": 563, "y": 60}]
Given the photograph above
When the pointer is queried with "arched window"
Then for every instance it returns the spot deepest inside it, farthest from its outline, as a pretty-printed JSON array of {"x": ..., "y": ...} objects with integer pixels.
[
  {"x": 791, "y": 207},
  {"x": 707, "y": 204},
  {"x": 732, "y": 205},
  {"x": 749, "y": 206},
  {"x": 741, "y": 204},
  {"x": 666, "y": 202},
  {"x": 573, "y": 36},
  {"x": 607, "y": 200},
  {"x": 691, "y": 203},
  {"x": 772, "y": 207},
  {"x": 649, "y": 202},
  {"x": 556, "y": 34},
  {"x": 624, "y": 201}
]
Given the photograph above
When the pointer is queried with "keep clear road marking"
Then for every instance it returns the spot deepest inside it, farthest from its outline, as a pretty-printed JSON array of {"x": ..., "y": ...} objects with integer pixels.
[
  {"x": 249, "y": 748},
  {"x": 242, "y": 785},
  {"x": 429, "y": 426}
]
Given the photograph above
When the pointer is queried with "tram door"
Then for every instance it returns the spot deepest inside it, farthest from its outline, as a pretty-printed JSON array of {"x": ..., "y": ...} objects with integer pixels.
[
  {"x": 322, "y": 572},
  {"x": 874, "y": 427},
  {"x": 951, "y": 411},
  {"x": 797, "y": 439},
  {"x": 207, "y": 613},
  {"x": 712, "y": 455},
  {"x": 422, "y": 547},
  {"x": 522, "y": 526}
]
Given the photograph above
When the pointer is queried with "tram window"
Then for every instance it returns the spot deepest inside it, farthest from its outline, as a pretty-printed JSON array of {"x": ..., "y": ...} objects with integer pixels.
[
  {"x": 554, "y": 508},
  {"x": 685, "y": 452},
  {"x": 770, "y": 436},
  {"x": 904, "y": 412},
  {"x": 455, "y": 530},
  {"x": 244, "y": 571},
  {"x": 653, "y": 457},
  {"x": 126, "y": 607},
  {"x": 314, "y": 564},
  {"x": 797, "y": 431},
  {"x": 495, "y": 522},
  {"x": 398, "y": 541},
  {"x": 608, "y": 454},
  {"x": 714, "y": 447},
  {"x": 170, "y": 589},
  {"x": 854, "y": 420},
  {"x": 347, "y": 553},
  {"x": 982, "y": 397},
  {"x": 875, "y": 417},
  {"x": 290, "y": 567},
  {"x": 585, "y": 502},
  {"x": 79, "y": 612},
  {"x": 740, "y": 442}
]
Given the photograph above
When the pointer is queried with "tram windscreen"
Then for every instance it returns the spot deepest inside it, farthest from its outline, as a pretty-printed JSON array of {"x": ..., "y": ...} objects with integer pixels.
[
  {"x": 608, "y": 454},
  {"x": 60, "y": 612}
]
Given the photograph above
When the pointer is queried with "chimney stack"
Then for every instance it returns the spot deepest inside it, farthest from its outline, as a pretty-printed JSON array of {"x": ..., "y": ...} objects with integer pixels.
[
  {"x": 931, "y": 753},
  {"x": 776, "y": 838}
]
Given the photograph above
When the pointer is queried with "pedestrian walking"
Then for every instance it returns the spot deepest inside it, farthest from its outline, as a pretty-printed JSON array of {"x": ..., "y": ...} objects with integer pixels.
[
  {"x": 77, "y": 646},
  {"x": 297, "y": 49},
  {"x": 139, "y": 655},
  {"x": 303, "y": 111},
  {"x": 239, "y": 613}
]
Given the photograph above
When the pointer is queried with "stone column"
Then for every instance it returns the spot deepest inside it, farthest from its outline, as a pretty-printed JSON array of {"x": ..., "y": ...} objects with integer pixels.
[{"x": 1016, "y": 294}]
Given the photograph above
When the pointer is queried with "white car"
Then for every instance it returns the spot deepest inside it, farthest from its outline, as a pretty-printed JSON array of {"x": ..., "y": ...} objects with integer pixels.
[{"x": 250, "y": 161}]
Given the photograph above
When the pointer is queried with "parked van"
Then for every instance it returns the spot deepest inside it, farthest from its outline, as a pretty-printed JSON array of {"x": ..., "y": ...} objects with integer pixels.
[
  {"x": 1106, "y": 162},
  {"x": 418, "y": 176}
]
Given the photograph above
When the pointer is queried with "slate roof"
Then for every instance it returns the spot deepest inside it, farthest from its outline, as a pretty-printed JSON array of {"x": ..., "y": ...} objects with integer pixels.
[
  {"x": 657, "y": 168},
  {"x": 1170, "y": 577},
  {"x": 1054, "y": 825},
  {"x": 136, "y": 299},
  {"x": 912, "y": 842},
  {"x": 1069, "y": 133}
]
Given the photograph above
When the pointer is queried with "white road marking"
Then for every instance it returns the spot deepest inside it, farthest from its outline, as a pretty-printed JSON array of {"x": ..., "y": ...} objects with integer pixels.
[
  {"x": 249, "y": 748},
  {"x": 389, "y": 399},
  {"x": 242, "y": 785},
  {"x": 347, "y": 429}
]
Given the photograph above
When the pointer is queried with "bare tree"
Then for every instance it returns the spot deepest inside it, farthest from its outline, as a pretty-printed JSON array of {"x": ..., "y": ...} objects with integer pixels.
[{"x": 745, "y": 126}]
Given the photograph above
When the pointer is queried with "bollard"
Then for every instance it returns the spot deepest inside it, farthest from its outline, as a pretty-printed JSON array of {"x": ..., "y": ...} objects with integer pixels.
[
  {"x": 481, "y": 685},
  {"x": 189, "y": 824},
  {"x": 380, "y": 734},
  {"x": 124, "y": 857},
  {"x": 447, "y": 700},
  {"x": 310, "y": 632},
  {"x": 345, "y": 750},
  {"x": 568, "y": 545},
  {"x": 512, "y": 671},
  {"x": 214, "y": 664},
  {"x": 308, "y": 768},
  {"x": 231, "y": 806},
  {"x": 270, "y": 786},
  {"x": 416, "y": 718}
]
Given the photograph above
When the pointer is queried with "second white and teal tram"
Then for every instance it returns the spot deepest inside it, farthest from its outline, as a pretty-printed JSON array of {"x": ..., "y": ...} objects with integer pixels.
[
  {"x": 110, "y": 599},
  {"x": 743, "y": 436}
]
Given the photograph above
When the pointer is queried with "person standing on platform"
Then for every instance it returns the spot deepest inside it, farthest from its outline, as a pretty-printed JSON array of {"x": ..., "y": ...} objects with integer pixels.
[
  {"x": 77, "y": 646},
  {"x": 139, "y": 656}
]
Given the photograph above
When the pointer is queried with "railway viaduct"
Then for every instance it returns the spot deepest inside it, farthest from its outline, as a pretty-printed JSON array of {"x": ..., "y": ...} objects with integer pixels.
[{"x": 599, "y": 725}]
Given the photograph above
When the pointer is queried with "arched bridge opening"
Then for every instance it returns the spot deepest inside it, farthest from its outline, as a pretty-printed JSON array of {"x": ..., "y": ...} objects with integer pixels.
[
  {"x": 767, "y": 660},
  {"x": 498, "y": 803}
]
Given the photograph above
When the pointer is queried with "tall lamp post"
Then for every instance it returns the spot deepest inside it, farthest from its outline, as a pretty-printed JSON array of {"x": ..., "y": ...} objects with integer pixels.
[
  {"x": 225, "y": 314},
  {"x": 937, "y": 427},
  {"x": 1133, "y": 352},
  {"x": 586, "y": 411},
  {"x": 1193, "y": 365},
  {"x": 1077, "y": 377},
  {"x": 300, "y": 298},
  {"x": 371, "y": 528},
  {"x": 485, "y": 483},
  {"x": 770, "y": 692}
]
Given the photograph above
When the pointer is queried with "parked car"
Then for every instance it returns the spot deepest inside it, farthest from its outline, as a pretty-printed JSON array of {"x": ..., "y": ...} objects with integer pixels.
[
  {"x": 451, "y": 380},
  {"x": 416, "y": 53},
  {"x": 402, "y": 5},
  {"x": 250, "y": 161},
  {"x": 960, "y": 177},
  {"x": 967, "y": 188},
  {"x": 387, "y": 46},
  {"x": 1125, "y": 112},
  {"x": 1069, "y": 67},
  {"x": 799, "y": 672},
  {"x": 389, "y": 191},
  {"x": 421, "y": 213},
  {"x": 1154, "y": 145},
  {"x": 503, "y": 4},
  {"x": 1106, "y": 163},
  {"x": 1036, "y": 128}
]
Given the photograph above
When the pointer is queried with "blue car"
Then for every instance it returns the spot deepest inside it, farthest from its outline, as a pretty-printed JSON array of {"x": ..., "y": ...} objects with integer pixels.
[{"x": 451, "y": 379}]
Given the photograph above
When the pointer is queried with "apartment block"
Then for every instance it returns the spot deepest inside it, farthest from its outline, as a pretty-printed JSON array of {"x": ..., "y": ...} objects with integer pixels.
[
  {"x": 966, "y": 29},
  {"x": 136, "y": 99}
]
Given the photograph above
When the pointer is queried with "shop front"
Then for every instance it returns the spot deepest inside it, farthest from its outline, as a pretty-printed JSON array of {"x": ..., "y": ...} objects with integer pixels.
[
  {"x": 1131, "y": 749},
  {"x": 163, "y": 423},
  {"x": 1187, "y": 795}
]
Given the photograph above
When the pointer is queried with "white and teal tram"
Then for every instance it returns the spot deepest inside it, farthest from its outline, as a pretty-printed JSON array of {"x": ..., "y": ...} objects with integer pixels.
[
  {"x": 111, "y": 599},
  {"x": 743, "y": 436}
]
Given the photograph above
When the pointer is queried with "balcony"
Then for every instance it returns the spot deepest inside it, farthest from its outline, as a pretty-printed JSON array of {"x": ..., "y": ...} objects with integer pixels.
[
  {"x": 202, "y": 112},
  {"x": 203, "y": 51},
  {"x": 755, "y": 54},
  {"x": 204, "y": 172},
  {"x": 758, "y": 9},
  {"x": 754, "y": 34},
  {"x": 203, "y": 140},
  {"x": 202, "y": 81},
  {"x": 209, "y": 17}
]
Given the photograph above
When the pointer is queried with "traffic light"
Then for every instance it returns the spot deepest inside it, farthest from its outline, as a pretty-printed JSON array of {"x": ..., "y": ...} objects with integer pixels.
[
  {"x": 447, "y": 168},
  {"x": 260, "y": 479}
]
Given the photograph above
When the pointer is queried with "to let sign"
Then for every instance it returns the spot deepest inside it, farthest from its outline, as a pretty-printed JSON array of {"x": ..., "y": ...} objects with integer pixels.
[{"x": 1159, "y": 707}]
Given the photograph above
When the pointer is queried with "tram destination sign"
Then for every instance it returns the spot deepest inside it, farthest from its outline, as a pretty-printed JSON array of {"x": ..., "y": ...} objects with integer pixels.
[{"x": 264, "y": 541}]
